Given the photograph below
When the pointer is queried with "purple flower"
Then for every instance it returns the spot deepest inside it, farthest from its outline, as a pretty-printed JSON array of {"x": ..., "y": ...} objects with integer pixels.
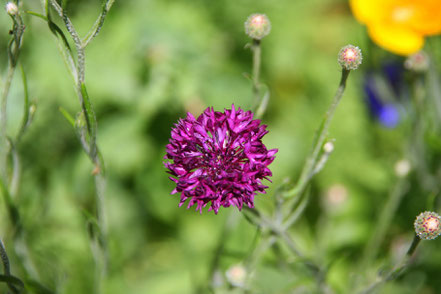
[{"x": 219, "y": 158}]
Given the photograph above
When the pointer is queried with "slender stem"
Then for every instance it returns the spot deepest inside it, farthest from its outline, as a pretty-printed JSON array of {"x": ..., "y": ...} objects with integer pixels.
[
  {"x": 384, "y": 221},
  {"x": 5, "y": 93},
  {"x": 435, "y": 89},
  {"x": 16, "y": 169},
  {"x": 309, "y": 167},
  {"x": 98, "y": 23},
  {"x": 294, "y": 216},
  {"x": 4, "y": 145},
  {"x": 100, "y": 185},
  {"x": 13, "y": 53},
  {"x": 256, "y": 218},
  {"x": 398, "y": 270},
  {"x": 257, "y": 52},
  {"x": 5, "y": 259},
  {"x": 26, "y": 108},
  {"x": 265, "y": 243},
  {"x": 290, "y": 243},
  {"x": 88, "y": 137},
  {"x": 230, "y": 224},
  {"x": 6, "y": 269}
]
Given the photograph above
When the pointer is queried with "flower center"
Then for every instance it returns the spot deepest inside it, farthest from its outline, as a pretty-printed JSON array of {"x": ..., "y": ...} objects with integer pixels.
[
  {"x": 350, "y": 54},
  {"x": 258, "y": 20},
  {"x": 431, "y": 224}
]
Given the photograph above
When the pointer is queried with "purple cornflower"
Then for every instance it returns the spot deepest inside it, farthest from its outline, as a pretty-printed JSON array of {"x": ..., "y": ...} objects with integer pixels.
[{"x": 219, "y": 158}]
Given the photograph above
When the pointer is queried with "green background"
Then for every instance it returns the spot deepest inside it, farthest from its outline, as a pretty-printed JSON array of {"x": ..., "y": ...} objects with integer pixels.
[{"x": 152, "y": 62}]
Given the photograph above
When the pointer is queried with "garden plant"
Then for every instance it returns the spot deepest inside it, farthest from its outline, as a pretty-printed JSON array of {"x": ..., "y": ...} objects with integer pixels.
[{"x": 172, "y": 146}]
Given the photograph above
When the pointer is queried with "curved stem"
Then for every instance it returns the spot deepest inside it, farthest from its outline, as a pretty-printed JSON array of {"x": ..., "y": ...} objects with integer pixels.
[{"x": 6, "y": 269}]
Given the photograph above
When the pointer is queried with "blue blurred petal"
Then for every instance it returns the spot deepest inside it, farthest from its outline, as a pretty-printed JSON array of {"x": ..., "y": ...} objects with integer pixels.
[
  {"x": 386, "y": 113},
  {"x": 394, "y": 71},
  {"x": 389, "y": 116}
]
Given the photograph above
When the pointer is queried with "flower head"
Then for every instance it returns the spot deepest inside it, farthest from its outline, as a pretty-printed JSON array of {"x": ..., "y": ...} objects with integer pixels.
[
  {"x": 237, "y": 275},
  {"x": 428, "y": 225},
  {"x": 219, "y": 158},
  {"x": 399, "y": 26},
  {"x": 350, "y": 57},
  {"x": 257, "y": 26},
  {"x": 418, "y": 62},
  {"x": 11, "y": 8}
]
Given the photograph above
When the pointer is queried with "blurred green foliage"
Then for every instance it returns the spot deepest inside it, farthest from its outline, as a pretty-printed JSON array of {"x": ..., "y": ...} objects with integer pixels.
[{"x": 154, "y": 61}]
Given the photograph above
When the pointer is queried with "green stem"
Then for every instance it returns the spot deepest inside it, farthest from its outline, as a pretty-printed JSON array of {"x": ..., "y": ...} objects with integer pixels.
[
  {"x": 26, "y": 108},
  {"x": 5, "y": 259},
  {"x": 230, "y": 224},
  {"x": 98, "y": 23},
  {"x": 398, "y": 270},
  {"x": 13, "y": 54},
  {"x": 6, "y": 269},
  {"x": 435, "y": 89},
  {"x": 384, "y": 222},
  {"x": 267, "y": 240},
  {"x": 257, "y": 52},
  {"x": 256, "y": 218},
  {"x": 88, "y": 139},
  {"x": 4, "y": 144},
  {"x": 309, "y": 167}
]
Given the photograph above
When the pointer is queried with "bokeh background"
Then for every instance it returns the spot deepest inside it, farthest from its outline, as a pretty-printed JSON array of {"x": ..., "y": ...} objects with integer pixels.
[{"x": 155, "y": 60}]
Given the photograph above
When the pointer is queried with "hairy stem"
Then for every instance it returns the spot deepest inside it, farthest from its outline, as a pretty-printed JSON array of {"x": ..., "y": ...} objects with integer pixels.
[
  {"x": 88, "y": 136},
  {"x": 98, "y": 23},
  {"x": 310, "y": 166}
]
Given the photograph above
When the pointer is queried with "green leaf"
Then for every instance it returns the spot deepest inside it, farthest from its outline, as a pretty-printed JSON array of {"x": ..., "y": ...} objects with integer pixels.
[
  {"x": 26, "y": 108},
  {"x": 91, "y": 121},
  {"x": 67, "y": 116}
]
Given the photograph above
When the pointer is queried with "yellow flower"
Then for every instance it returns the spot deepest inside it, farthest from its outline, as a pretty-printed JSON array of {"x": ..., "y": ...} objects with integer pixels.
[{"x": 399, "y": 26}]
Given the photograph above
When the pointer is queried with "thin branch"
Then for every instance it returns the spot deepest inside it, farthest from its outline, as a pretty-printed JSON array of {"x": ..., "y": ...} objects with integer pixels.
[{"x": 98, "y": 23}]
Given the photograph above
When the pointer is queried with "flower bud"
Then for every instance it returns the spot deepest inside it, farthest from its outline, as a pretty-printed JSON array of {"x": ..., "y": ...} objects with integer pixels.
[
  {"x": 11, "y": 8},
  {"x": 328, "y": 147},
  {"x": 350, "y": 57},
  {"x": 428, "y": 225},
  {"x": 257, "y": 26},
  {"x": 418, "y": 62},
  {"x": 236, "y": 275},
  {"x": 402, "y": 168}
]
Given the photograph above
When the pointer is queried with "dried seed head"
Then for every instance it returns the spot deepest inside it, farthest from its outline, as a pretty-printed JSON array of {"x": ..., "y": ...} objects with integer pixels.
[
  {"x": 428, "y": 225},
  {"x": 257, "y": 26},
  {"x": 11, "y": 8},
  {"x": 350, "y": 57}
]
